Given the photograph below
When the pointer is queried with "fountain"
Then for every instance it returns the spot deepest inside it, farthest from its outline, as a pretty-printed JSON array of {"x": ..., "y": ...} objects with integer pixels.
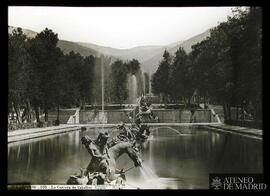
[
  {"x": 143, "y": 83},
  {"x": 170, "y": 161},
  {"x": 150, "y": 87},
  {"x": 103, "y": 118},
  {"x": 132, "y": 89},
  {"x": 178, "y": 162}
]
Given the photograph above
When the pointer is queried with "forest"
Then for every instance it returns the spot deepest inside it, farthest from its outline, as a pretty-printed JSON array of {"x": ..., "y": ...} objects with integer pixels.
[{"x": 223, "y": 69}]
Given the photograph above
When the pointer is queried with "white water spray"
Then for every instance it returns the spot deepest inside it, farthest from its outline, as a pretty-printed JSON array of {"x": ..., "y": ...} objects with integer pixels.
[
  {"x": 175, "y": 130},
  {"x": 143, "y": 81},
  {"x": 132, "y": 89},
  {"x": 150, "y": 179},
  {"x": 148, "y": 173}
]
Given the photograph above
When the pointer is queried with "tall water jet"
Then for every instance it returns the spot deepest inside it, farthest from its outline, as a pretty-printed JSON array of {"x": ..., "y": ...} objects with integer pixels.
[
  {"x": 102, "y": 114},
  {"x": 150, "y": 84},
  {"x": 143, "y": 83},
  {"x": 132, "y": 89}
]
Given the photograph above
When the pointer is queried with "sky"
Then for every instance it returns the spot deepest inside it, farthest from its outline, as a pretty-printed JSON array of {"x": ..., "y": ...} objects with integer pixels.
[{"x": 120, "y": 27}]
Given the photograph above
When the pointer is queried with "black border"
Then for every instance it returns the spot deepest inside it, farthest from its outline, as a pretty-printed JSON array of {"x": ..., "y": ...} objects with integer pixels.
[
  {"x": 136, "y": 3},
  {"x": 3, "y": 97},
  {"x": 107, "y": 3}
]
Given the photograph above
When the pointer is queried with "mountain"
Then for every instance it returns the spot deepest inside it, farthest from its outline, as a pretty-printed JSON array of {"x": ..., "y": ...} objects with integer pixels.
[
  {"x": 151, "y": 65},
  {"x": 65, "y": 46},
  {"x": 68, "y": 46},
  {"x": 27, "y": 32},
  {"x": 148, "y": 56},
  {"x": 140, "y": 53},
  {"x": 191, "y": 41}
]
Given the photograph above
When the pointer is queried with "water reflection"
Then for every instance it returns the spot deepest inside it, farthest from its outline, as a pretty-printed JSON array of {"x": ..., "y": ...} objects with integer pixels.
[{"x": 179, "y": 160}]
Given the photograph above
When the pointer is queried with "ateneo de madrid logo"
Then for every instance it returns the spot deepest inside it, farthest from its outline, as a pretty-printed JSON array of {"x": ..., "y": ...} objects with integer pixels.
[
  {"x": 241, "y": 182},
  {"x": 216, "y": 183}
]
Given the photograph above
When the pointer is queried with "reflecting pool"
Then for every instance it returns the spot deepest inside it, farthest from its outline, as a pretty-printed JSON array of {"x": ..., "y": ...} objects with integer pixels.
[{"x": 174, "y": 157}]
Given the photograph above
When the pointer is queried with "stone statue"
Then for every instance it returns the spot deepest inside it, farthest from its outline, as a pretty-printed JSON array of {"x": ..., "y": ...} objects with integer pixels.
[{"x": 99, "y": 152}]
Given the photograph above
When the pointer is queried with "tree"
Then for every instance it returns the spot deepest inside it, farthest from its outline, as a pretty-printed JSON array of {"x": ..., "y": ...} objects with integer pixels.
[
  {"x": 18, "y": 70},
  {"x": 227, "y": 65},
  {"x": 45, "y": 56},
  {"x": 160, "y": 84},
  {"x": 119, "y": 79},
  {"x": 180, "y": 79},
  {"x": 86, "y": 79},
  {"x": 40, "y": 74},
  {"x": 133, "y": 66},
  {"x": 96, "y": 80},
  {"x": 249, "y": 86}
]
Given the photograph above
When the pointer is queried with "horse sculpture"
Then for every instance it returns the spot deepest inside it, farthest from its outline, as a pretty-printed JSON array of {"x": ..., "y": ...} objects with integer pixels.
[
  {"x": 118, "y": 150},
  {"x": 102, "y": 169},
  {"x": 112, "y": 173}
]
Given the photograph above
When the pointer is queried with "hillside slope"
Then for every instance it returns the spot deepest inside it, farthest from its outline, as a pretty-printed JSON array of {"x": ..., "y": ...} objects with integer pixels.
[
  {"x": 148, "y": 56},
  {"x": 65, "y": 46},
  {"x": 151, "y": 64},
  {"x": 141, "y": 53},
  {"x": 29, "y": 33}
]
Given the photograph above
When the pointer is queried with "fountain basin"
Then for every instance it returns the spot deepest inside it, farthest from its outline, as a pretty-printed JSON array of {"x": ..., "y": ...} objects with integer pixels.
[{"x": 180, "y": 159}]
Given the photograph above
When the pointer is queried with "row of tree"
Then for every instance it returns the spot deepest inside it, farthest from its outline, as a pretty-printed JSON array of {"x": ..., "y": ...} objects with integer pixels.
[
  {"x": 120, "y": 71},
  {"x": 41, "y": 76},
  {"x": 225, "y": 68}
]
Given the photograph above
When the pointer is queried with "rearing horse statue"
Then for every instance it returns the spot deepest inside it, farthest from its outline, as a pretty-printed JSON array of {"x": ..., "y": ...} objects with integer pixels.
[
  {"x": 112, "y": 173},
  {"x": 116, "y": 151}
]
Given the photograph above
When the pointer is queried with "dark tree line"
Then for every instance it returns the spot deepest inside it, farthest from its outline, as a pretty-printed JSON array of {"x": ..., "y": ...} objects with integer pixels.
[
  {"x": 225, "y": 68},
  {"x": 42, "y": 77},
  {"x": 120, "y": 71}
]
